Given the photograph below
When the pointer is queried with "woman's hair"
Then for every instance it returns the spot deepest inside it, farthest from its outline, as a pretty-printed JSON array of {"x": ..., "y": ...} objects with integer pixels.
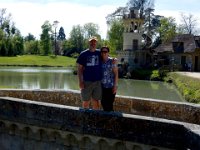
[{"x": 105, "y": 47}]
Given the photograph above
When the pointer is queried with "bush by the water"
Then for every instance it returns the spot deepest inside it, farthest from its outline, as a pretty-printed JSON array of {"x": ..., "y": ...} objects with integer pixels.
[
  {"x": 141, "y": 74},
  {"x": 147, "y": 74}
]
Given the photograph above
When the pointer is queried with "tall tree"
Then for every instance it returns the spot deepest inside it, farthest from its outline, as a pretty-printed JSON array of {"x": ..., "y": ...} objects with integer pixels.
[
  {"x": 117, "y": 14},
  {"x": 61, "y": 34},
  {"x": 3, "y": 50},
  {"x": 188, "y": 24},
  {"x": 29, "y": 37},
  {"x": 90, "y": 29},
  {"x": 6, "y": 24},
  {"x": 115, "y": 35},
  {"x": 142, "y": 5},
  {"x": 67, "y": 48},
  {"x": 61, "y": 38},
  {"x": 151, "y": 21},
  {"x": 18, "y": 43},
  {"x": 45, "y": 38},
  {"x": 32, "y": 47},
  {"x": 167, "y": 29},
  {"x": 77, "y": 38},
  {"x": 5, "y": 18},
  {"x": 11, "y": 41}
]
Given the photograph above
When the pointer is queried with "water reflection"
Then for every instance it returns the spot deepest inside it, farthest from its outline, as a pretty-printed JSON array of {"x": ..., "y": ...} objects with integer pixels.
[
  {"x": 149, "y": 89},
  {"x": 37, "y": 78},
  {"x": 63, "y": 78}
]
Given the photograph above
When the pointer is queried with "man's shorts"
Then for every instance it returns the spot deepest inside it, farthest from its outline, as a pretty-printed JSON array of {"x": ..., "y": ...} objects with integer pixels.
[{"x": 91, "y": 90}]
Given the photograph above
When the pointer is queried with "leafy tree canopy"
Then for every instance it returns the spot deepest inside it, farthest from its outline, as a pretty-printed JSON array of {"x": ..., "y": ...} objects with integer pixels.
[
  {"x": 61, "y": 34},
  {"x": 167, "y": 29},
  {"x": 29, "y": 37},
  {"x": 45, "y": 38}
]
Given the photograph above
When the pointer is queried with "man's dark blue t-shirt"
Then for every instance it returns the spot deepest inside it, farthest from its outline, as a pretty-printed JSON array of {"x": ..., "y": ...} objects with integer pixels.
[{"x": 92, "y": 65}]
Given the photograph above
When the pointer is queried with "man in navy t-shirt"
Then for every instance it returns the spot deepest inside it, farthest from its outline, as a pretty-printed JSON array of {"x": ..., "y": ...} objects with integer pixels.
[{"x": 89, "y": 75}]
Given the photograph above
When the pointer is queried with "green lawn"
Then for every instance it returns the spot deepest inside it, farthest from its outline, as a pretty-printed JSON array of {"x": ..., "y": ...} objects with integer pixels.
[
  {"x": 188, "y": 86},
  {"x": 35, "y": 60}
]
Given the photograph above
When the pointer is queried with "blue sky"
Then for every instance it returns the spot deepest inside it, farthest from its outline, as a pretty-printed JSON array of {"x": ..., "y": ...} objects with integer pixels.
[
  {"x": 29, "y": 15},
  {"x": 178, "y": 5}
]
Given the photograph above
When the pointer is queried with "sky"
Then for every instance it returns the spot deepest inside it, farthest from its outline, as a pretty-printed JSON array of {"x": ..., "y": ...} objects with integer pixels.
[{"x": 30, "y": 15}]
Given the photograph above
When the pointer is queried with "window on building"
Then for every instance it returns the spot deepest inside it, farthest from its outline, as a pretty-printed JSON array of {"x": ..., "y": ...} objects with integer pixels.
[
  {"x": 183, "y": 60},
  {"x": 178, "y": 47},
  {"x": 197, "y": 43},
  {"x": 135, "y": 44}
]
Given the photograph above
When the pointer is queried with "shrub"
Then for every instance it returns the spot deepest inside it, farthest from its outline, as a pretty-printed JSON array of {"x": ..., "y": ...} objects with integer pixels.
[
  {"x": 155, "y": 75},
  {"x": 141, "y": 74}
]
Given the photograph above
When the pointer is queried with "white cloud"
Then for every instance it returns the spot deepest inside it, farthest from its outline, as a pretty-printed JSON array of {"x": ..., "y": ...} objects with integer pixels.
[{"x": 29, "y": 17}]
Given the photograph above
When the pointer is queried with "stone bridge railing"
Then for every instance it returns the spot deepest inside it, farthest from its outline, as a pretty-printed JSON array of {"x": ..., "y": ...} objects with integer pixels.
[
  {"x": 43, "y": 119},
  {"x": 179, "y": 111}
]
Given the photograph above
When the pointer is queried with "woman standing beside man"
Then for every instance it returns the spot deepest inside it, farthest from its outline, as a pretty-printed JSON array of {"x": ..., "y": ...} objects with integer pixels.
[{"x": 109, "y": 79}]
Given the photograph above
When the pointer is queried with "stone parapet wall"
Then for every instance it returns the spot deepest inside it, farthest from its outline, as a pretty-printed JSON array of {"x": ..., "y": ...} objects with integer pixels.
[
  {"x": 26, "y": 124},
  {"x": 69, "y": 98},
  {"x": 178, "y": 111},
  {"x": 28, "y": 137}
]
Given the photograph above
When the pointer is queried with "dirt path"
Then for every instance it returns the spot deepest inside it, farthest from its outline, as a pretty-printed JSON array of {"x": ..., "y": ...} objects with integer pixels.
[{"x": 191, "y": 74}]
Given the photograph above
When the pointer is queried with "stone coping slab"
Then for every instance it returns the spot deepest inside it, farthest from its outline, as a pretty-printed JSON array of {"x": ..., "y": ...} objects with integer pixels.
[{"x": 179, "y": 111}]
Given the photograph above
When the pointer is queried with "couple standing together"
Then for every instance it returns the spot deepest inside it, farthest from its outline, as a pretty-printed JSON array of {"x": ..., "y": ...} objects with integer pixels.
[{"x": 98, "y": 77}]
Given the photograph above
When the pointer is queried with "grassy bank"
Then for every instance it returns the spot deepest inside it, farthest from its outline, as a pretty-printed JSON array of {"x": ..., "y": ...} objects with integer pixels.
[
  {"x": 34, "y": 60},
  {"x": 188, "y": 86}
]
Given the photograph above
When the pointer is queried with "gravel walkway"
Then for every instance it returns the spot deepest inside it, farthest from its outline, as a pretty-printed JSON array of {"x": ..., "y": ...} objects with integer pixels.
[{"x": 191, "y": 74}]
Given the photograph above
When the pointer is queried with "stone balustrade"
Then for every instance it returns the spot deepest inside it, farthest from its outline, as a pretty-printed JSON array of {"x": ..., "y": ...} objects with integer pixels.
[
  {"x": 179, "y": 111},
  {"x": 47, "y": 119}
]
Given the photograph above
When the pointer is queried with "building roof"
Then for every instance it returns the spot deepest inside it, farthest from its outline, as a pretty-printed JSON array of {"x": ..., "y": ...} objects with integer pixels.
[
  {"x": 189, "y": 41},
  {"x": 166, "y": 47}
]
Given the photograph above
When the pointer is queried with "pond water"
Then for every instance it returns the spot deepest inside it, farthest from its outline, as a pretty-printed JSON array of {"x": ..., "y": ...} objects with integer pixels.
[{"x": 63, "y": 78}]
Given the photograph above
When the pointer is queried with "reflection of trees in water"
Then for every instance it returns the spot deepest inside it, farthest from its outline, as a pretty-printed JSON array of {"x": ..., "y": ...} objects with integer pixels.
[
  {"x": 72, "y": 81},
  {"x": 38, "y": 80},
  {"x": 29, "y": 81},
  {"x": 60, "y": 81},
  {"x": 154, "y": 86},
  {"x": 125, "y": 86},
  {"x": 134, "y": 88},
  {"x": 10, "y": 80},
  {"x": 148, "y": 89},
  {"x": 166, "y": 91}
]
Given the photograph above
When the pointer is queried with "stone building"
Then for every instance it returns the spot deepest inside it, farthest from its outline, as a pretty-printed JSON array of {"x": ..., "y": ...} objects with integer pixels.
[
  {"x": 183, "y": 52},
  {"x": 136, "y": 45}
]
